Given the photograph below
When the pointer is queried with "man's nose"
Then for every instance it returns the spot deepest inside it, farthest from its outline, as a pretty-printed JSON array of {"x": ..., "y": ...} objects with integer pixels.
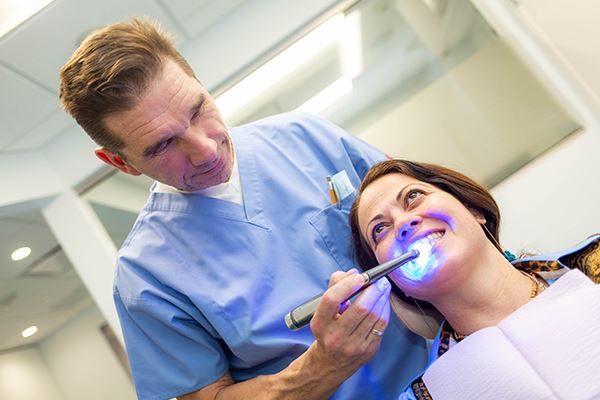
[
  {"x": 407, "y": 228},
  {"x": 201, "y": 149}
]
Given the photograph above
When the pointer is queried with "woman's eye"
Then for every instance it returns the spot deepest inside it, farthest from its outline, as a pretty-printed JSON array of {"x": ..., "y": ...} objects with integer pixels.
[
  {"x": 412, "y": 195},
  {"x": 377, "y": 231}
]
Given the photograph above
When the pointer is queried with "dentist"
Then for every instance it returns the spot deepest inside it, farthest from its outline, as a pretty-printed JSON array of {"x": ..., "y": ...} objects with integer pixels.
[{"x": 237, "y": 230}]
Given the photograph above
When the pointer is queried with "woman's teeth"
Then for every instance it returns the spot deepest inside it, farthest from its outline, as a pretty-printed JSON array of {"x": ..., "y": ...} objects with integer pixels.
[{"x": 430, "y": 239}]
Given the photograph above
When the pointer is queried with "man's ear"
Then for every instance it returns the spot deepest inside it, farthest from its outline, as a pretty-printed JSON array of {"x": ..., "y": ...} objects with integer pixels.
[
  {"x": 114, "y": 160},
  {"x": 478, "y": 215}
]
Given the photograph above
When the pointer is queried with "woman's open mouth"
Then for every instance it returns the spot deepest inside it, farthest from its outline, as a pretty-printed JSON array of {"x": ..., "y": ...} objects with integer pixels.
[{"x": 427, "y": 241}]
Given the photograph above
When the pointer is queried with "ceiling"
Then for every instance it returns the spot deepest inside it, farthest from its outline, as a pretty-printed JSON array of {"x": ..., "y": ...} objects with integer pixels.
[{"x": 32, "y": 54}]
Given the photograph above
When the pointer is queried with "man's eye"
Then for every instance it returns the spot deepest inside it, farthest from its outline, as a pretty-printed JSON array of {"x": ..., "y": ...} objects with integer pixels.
[{"x": 163, "y": 146}]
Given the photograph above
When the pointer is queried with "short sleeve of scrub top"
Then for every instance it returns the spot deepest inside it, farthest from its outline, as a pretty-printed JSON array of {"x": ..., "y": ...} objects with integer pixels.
[{"x": 171, "y": 334}]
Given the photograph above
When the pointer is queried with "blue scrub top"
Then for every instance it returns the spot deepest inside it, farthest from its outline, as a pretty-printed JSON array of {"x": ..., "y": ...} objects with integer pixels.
[{"x": 202, "y": 284}]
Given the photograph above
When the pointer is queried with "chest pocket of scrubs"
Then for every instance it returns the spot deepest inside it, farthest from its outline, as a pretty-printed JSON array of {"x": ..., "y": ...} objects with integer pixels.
[{"x": 333, "y": 224}]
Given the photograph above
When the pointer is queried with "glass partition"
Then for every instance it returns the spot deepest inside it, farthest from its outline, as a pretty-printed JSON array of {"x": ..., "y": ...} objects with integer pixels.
[{"x": 424, "y": 80}]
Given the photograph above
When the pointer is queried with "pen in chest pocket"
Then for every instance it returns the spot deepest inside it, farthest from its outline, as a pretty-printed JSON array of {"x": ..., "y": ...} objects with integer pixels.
[{"x": 332, "y": 193}]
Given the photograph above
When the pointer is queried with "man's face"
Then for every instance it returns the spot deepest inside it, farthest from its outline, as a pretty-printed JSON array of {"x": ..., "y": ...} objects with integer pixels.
[{"x": 174, "y": 134}]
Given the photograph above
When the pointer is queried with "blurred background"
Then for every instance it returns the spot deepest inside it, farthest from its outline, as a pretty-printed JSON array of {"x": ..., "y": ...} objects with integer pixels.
[{"x": 505, "y": 91}]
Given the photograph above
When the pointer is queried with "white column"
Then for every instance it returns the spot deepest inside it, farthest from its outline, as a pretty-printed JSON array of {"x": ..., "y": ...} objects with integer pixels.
[{"x": 89, "y": 248}]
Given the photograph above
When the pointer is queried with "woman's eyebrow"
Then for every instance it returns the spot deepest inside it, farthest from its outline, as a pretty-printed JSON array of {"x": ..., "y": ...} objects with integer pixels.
[
  {"x": 398, "y": 197},
  {"x": 401, "y": 192}
]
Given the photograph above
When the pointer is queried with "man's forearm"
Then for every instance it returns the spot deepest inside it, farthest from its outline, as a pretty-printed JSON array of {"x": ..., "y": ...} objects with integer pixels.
[
  {"x": 304, "y": 379},
  {"x": 343, "y": 342}
]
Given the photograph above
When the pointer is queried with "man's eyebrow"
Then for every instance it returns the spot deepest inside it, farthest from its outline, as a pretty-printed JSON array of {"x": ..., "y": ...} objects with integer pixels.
[
  {"x": 151, "y": 149},
  {"x": 198, "y": 104},
  {"x": 193, "y": 109}
]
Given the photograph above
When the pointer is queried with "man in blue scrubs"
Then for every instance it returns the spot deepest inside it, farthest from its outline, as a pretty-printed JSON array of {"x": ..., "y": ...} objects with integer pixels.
[{"x": 239, "y": 228}]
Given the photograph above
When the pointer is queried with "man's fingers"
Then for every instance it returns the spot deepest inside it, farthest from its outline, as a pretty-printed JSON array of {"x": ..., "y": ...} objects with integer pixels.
[
  {"x": 344, "y": 339},
  {"x": 339, "y": 275},
  {"x": 344, "y": 306},
  {"x": 374, "y": 330},
  {"x": 336, "y": 295},
  {"x": 369, "y": 307}
]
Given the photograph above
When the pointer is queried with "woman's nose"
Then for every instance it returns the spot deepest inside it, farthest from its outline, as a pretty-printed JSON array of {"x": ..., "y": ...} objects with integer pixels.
[{"x": 407, "y": 229}]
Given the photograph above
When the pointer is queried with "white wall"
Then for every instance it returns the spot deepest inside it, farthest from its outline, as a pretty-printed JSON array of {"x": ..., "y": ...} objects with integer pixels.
[
  {"x": 25, "y": 376},
  {"x": 571, "y": 29},
  {"x": 553, "y": 202},
  {"x": 478, "y": 118},
  {"x": 18, "y": 170},
  {"x": 83, "y": 363}
]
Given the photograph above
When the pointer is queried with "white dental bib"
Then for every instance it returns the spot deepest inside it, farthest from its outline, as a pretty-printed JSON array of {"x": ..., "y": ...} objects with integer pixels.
[{"x": 547, "y": 349}]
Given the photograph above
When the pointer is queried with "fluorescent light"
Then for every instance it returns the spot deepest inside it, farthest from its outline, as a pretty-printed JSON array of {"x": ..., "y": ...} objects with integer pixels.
[
  {"x": 351, "y": 45},
  {"x": 20, "y": 253},
  {"x": 346, "y": 30},
  {"x": 279, "y": 66},
  {"x": 29, "y": 331},
  {"x": 14, "y": 12},
  {"x": 327, "y": 96}
]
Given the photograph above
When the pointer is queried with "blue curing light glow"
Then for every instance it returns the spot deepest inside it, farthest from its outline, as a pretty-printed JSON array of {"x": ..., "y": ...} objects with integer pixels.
[{"x": 418, "y": 268}]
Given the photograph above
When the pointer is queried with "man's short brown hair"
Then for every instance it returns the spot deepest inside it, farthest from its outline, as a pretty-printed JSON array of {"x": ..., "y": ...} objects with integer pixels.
[{"x": 109, "y": 72}]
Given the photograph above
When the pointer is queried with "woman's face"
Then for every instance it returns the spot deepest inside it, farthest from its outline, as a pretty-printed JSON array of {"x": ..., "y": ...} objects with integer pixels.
[{"x": 397, "y": 213}]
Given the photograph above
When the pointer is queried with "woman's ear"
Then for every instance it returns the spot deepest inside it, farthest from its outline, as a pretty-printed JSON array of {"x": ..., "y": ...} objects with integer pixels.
[{"x": 478, "y": 215}]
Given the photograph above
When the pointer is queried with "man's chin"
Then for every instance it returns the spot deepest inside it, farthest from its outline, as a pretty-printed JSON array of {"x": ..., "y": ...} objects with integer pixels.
[{"x": 192, "y": 187}]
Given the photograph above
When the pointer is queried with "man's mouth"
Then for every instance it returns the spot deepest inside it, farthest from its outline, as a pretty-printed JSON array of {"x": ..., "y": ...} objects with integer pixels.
[{"x": 213, "y": 168}]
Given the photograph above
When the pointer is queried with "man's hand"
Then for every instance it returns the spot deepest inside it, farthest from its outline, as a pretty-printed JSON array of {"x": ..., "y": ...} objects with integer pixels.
[
  {"x": 346, "y": 338},
  {"x": 347, "y": 333}
]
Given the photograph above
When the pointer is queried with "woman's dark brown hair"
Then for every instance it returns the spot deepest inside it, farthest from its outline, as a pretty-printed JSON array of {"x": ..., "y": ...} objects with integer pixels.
[{"x": 466, "y": 190}]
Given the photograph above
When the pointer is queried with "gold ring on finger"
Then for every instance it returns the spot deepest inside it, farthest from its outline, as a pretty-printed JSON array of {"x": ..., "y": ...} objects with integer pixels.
[{"x": 376, "y": 332}]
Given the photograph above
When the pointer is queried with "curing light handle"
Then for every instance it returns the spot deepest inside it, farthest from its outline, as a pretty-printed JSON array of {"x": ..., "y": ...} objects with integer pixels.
[{"x": 301, "y": 315}]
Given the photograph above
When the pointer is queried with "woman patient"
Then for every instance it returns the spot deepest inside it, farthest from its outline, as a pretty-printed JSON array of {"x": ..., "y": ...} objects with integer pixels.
[{"x": 465, "y": 274}]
